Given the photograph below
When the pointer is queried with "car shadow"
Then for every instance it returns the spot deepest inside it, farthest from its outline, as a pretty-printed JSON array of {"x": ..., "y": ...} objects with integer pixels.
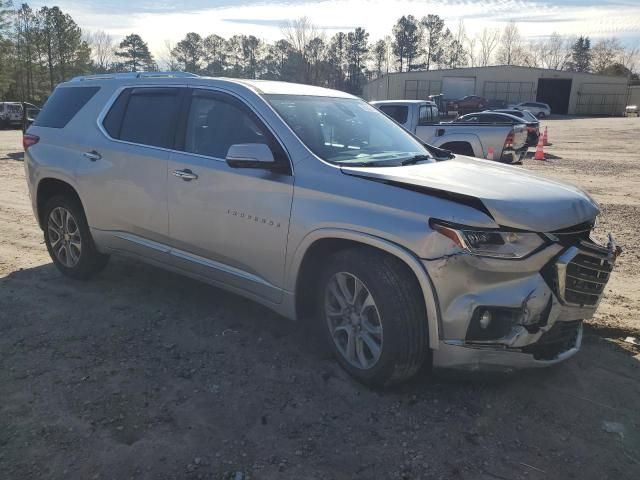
[
  {"x": 18, "y": 156},
  {"x": 129, "y": 288},
  {"x": 140, "y": 356}
]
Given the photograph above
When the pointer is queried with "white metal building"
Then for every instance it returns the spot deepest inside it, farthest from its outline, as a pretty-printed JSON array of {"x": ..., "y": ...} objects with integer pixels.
[{"x": 566, "y": 92}]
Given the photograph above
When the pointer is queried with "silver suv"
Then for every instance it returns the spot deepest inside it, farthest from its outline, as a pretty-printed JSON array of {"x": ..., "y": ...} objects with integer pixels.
[{"x": 315, "y": 204}]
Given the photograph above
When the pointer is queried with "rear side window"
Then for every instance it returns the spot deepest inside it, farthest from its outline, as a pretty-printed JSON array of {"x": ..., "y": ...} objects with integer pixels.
[
  {"x": 145, "y": 115},
  {"x": 398, "y": 112},
  {"x": 63, "y": 105}
]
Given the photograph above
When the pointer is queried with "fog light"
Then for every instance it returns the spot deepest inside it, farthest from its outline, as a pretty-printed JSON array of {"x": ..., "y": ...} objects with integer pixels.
[{"x": 485, "y": 319}]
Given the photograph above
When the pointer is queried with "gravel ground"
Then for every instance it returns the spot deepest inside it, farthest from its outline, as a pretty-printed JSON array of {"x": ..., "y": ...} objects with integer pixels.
[{"x": 145, "y": 374}]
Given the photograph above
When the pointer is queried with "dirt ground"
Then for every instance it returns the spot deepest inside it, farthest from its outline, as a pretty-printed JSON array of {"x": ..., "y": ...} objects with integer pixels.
[{"x": 145, "y": 374}]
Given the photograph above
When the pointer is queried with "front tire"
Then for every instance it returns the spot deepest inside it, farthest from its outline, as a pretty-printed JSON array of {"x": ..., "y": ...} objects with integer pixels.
[
  {"x": 372, "y": 311},
  {"x": 68, "y": 239}
]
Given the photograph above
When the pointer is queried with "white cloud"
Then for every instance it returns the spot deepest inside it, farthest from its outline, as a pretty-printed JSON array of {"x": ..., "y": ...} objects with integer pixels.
[{"x": 535, "y": 17}]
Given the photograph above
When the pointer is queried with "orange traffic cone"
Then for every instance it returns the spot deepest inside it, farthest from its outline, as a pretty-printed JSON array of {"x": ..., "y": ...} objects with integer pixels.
[
  {"x": 545, "y": 138},
  {"x": 539, "y": 149},
  {"x": 490, "y": 153}
]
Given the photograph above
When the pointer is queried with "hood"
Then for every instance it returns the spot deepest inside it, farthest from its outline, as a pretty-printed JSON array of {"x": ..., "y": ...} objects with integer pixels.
[{"x": 512, "y": 196}]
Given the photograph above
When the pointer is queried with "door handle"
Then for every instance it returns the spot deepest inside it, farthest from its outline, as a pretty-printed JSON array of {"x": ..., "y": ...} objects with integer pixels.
[
  {"x": 92, "y": 155},
  {"x": 186, "y": 174},
  {"x": 440, "y": 132}
]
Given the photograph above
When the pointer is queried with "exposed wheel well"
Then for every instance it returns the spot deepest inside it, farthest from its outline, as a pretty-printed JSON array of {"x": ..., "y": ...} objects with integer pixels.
[
  {"x": 461, "y": 148},
  {"x": 50, "y": 187},
  {"x": 311, "y": 265}
]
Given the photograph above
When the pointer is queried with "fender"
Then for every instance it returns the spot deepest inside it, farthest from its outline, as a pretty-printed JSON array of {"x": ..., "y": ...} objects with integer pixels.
[
  {"x": 428, "y": 291},
  {"x": 46, "y": 174},
  {"x": 471, "y": 139}
]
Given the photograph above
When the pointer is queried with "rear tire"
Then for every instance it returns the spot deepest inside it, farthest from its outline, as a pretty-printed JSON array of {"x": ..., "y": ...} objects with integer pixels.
[
  {"x": 68, "y": 239},
  {"x": 459, "y": 148},
  {"x": 378, "y": 330}
]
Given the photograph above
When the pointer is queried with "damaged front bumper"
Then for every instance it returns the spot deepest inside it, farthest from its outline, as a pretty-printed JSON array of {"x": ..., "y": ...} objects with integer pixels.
[{"x": 508, "y": 315}]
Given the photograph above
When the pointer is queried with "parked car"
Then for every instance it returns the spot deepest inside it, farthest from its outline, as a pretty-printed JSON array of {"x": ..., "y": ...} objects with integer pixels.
[
  {"x": 468, "y": 104},
  {"x": 631, "y": 111},
  {"x": 511, "y": 117},
  {"x": 30, "y": 112},
  {"x": 539, "y": 109},
  {"x": 533, "y": 124},
  {"x": 10, "y": 114},
  {"x": 507, "y": 142},
  {"x": 315, "y": 204}
]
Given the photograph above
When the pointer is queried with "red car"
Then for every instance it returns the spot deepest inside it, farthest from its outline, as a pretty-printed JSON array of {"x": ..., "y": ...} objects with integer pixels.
[{"x": 468, "y": 104}]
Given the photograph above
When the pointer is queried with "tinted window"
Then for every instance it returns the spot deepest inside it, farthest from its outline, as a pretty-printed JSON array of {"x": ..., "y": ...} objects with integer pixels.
[
  {"x": 214, "y": 125},
  {"x": 150, "y": 117},
  {"x": 63, "y": 105},
  {"x": 113, "y": 120},
  {"x": 398, "y": 112}
]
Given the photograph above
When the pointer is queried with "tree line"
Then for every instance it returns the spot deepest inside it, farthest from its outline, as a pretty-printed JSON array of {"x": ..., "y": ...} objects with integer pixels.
[{"x": 40, "y": 48}]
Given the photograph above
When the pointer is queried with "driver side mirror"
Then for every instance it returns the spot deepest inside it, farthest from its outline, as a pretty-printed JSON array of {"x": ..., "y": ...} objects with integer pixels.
[{"x": 250, "y": 155}]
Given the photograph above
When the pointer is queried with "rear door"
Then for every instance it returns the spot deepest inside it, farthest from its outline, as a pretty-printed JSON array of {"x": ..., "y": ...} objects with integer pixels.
[
  {"x": 124, "y": 175},
  {"x": 229, "y": 225}
]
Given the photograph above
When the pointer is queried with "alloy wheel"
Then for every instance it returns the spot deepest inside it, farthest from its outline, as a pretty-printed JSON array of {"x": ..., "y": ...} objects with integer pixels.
[
  {"x": 353, "y": 320},
  {"x": 64, "y": 237}
]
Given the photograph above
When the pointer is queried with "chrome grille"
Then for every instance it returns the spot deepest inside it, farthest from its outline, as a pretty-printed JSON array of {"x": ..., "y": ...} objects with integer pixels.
[{"x": 583, "y": 272}]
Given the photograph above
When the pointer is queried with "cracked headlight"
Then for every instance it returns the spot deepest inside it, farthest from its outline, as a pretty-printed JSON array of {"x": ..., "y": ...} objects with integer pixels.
[{"x": 490, "y": 243}]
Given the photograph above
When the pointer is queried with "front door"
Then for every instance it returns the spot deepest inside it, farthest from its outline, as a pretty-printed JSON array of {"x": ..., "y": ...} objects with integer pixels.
[{"x": 228, "y": 224}]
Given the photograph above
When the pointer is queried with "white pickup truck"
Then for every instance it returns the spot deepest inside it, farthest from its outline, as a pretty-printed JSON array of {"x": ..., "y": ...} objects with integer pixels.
[{"x": 505, "y": 143}]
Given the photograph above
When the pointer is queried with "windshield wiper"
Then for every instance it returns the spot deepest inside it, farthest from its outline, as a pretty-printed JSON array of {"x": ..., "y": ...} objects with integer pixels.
[{"x": 415, "y": 159}]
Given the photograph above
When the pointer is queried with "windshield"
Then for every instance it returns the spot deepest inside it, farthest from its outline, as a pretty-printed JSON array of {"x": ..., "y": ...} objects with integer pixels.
[{"x": 348, "y": 131}]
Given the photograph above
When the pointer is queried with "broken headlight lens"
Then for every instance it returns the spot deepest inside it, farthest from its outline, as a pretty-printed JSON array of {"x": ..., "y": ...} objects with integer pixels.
[{"x": 491, "y": 243}]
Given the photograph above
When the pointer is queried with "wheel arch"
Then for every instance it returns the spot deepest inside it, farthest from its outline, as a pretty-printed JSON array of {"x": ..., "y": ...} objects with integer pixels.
[
  {"x": 472, "y": 140},
  {"x": 320, "y": 243},
  {"x": 49, "y": 187}
]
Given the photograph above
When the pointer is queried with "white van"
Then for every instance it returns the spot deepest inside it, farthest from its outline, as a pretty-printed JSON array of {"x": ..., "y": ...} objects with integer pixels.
[{"x": 10, "y": 114}]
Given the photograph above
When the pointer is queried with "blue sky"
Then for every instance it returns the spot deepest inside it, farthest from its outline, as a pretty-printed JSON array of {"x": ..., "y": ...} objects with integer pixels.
[{"x": 159, "y": 21}]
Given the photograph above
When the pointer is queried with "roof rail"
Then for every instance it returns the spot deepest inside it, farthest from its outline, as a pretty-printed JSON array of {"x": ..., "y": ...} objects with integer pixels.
[{"x": 132, "y": 75}]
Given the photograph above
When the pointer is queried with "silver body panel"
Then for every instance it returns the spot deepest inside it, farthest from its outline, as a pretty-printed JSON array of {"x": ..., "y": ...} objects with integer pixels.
[{"x": 248, "y": 230}]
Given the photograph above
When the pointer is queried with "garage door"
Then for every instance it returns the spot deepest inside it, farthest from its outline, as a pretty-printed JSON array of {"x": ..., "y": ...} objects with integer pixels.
[
  {"x": 458, "y": 87},
  {"x": 555, "y": 92}
]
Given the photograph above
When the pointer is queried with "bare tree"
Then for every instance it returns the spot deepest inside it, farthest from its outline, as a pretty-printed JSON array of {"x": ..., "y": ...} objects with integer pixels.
[
  {"x": 472, "y": 54},
  {"x": 630, "y": 57},
  {"x": 488, "y": 42},
  {"x": 166, "y": 59},
  {"x": 511, "y": 51},
  {"x": 605, "y": 53},
  {"x": 102, "y": 49},
  {"x": 555, "y": 51},
  {"x": 299, "y": 33}
]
